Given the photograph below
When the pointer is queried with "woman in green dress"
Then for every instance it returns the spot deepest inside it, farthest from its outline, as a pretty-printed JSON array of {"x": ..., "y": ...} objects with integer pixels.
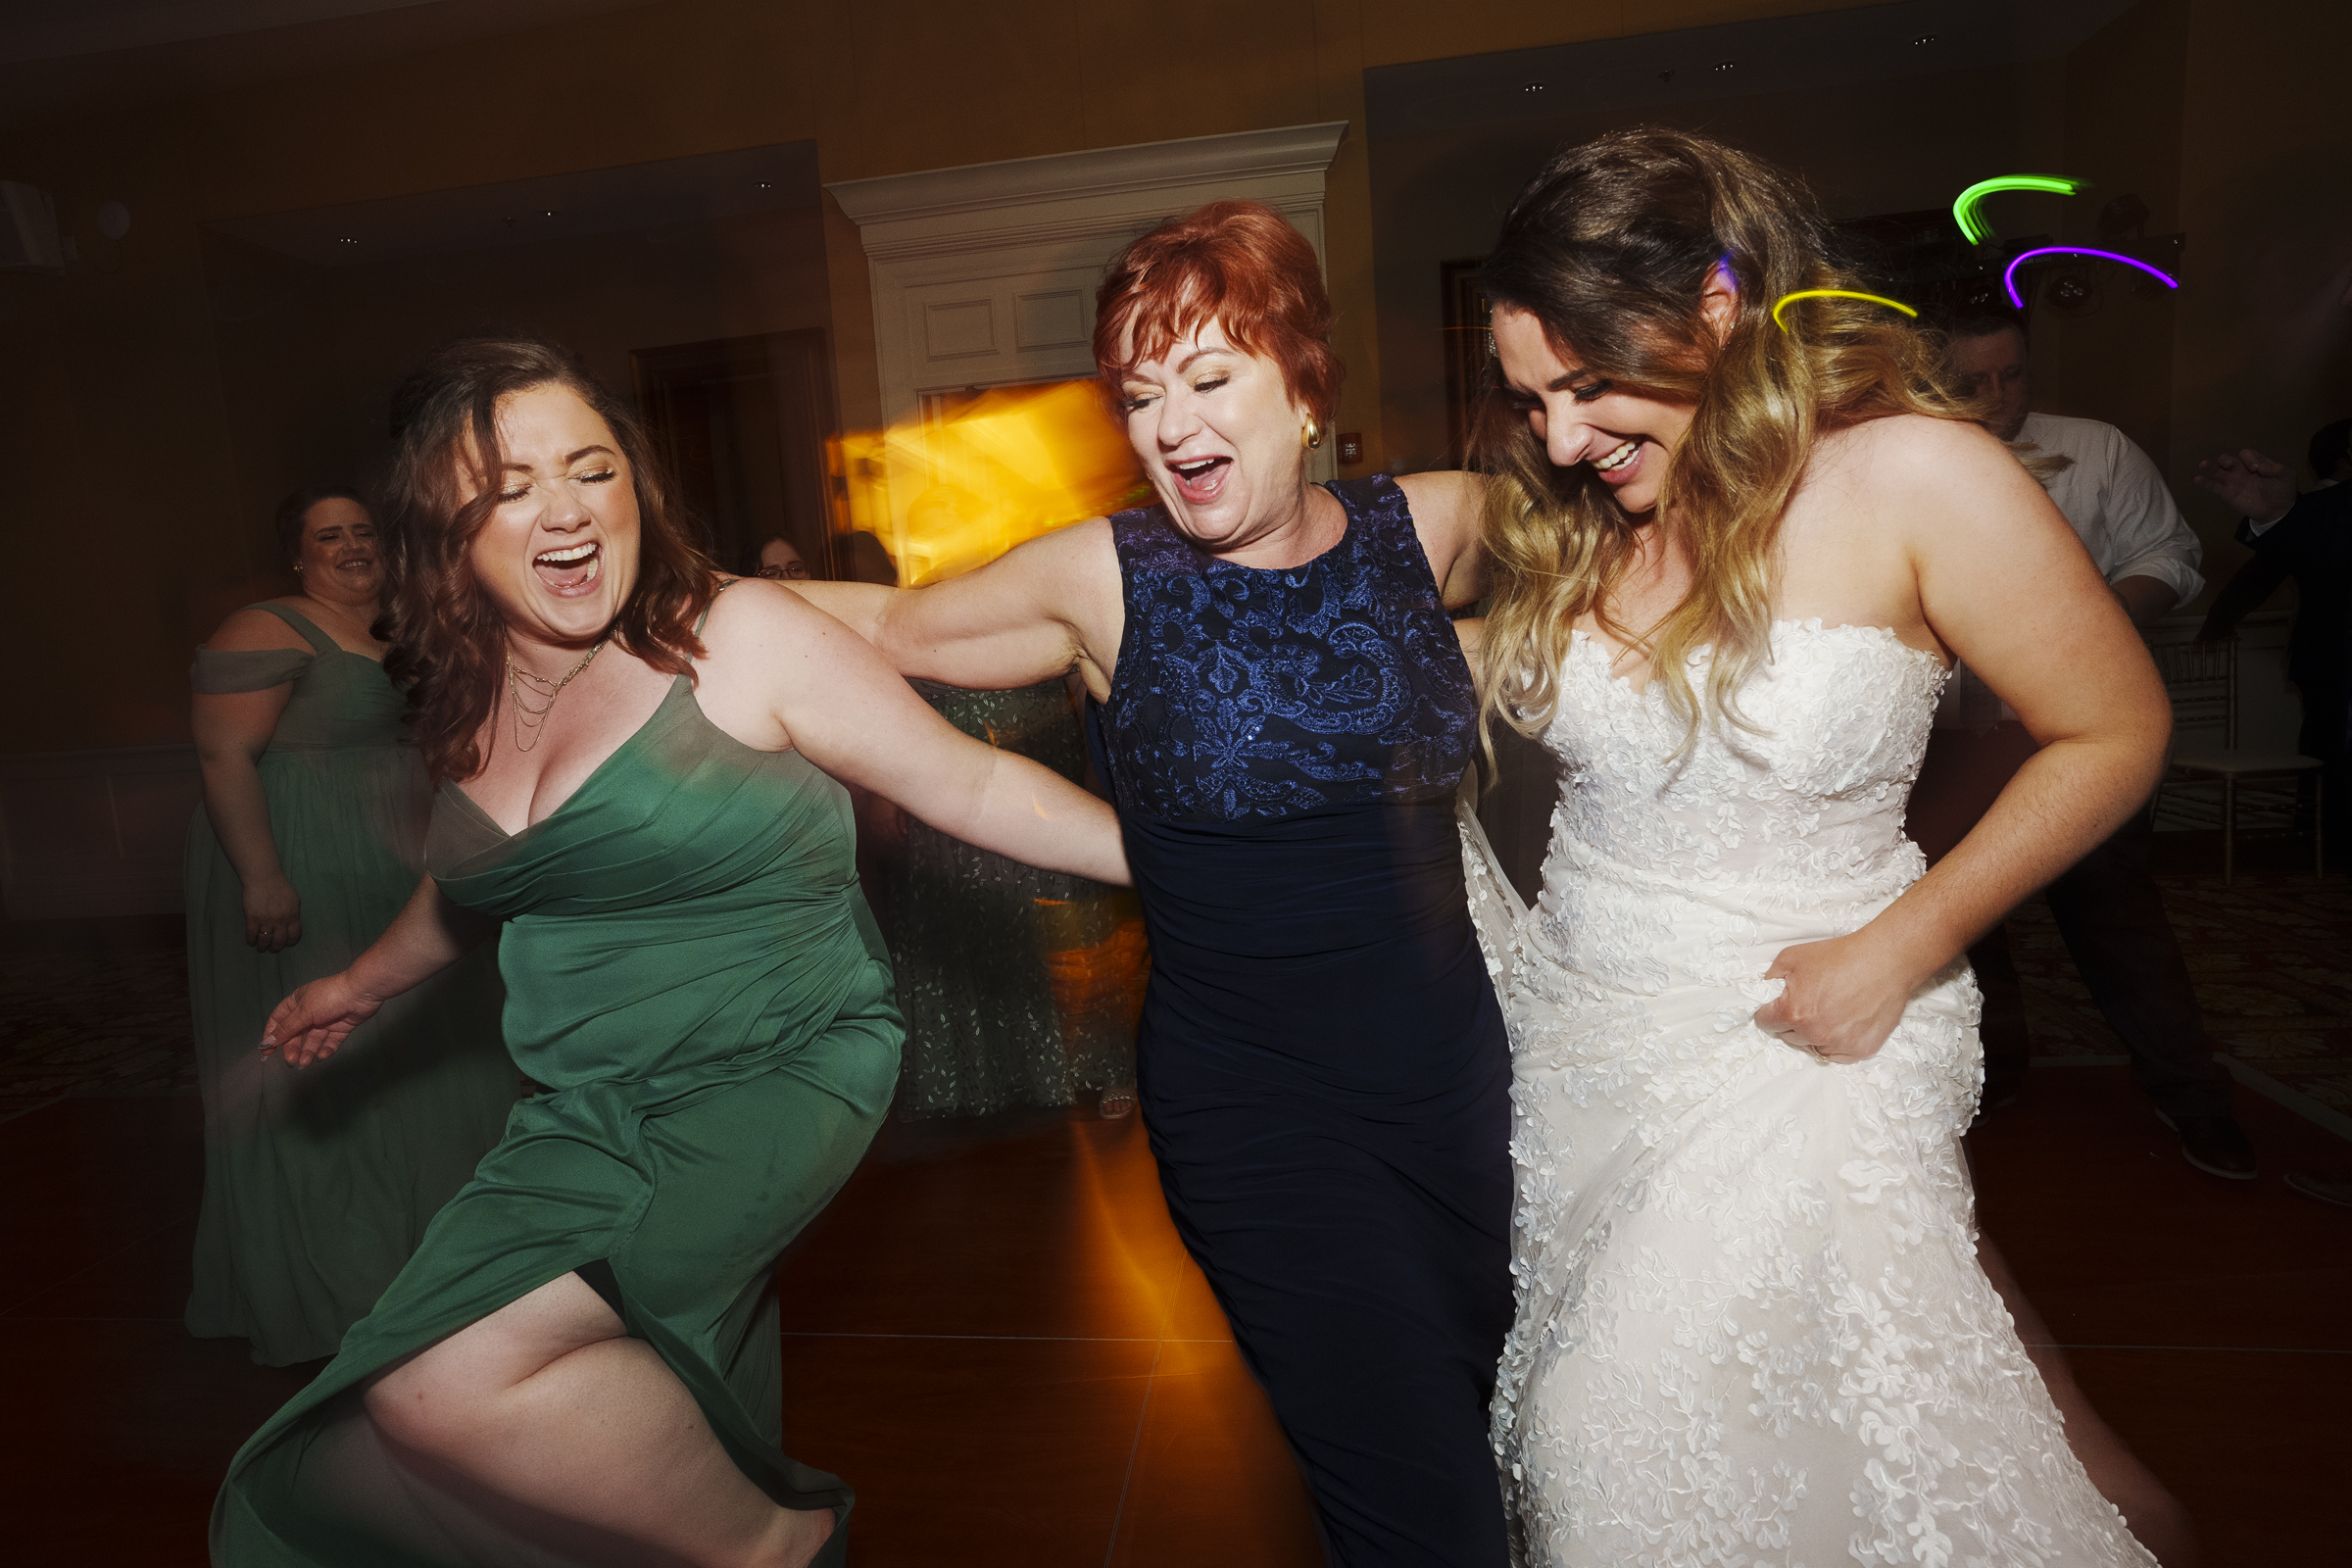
[
  {"x": 581, "y": 1361},
  {"x": 317, "y": 1186}
]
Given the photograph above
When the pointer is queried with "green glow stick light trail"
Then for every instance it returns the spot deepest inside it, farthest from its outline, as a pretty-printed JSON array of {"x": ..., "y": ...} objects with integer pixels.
[{"x": 1964, "y": 210}]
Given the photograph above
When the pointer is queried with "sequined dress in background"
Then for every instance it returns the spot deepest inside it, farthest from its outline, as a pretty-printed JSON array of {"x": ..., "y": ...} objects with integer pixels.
[{"x": 1020, "y": 986}]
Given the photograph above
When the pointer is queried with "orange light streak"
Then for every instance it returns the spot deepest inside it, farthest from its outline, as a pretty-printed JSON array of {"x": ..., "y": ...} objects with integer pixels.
[{"x": 981, "y": 472}]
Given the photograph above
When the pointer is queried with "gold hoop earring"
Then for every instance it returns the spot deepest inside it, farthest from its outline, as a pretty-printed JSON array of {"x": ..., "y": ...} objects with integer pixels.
[{"x": 1312, "y": 436}]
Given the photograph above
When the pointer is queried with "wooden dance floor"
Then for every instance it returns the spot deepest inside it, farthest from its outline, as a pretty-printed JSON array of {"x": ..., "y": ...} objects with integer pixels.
[{"x": 995, "y": 1336}]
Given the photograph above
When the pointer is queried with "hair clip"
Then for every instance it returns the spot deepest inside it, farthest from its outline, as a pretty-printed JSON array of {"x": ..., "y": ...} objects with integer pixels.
[{"x": 1834, "y": 293}]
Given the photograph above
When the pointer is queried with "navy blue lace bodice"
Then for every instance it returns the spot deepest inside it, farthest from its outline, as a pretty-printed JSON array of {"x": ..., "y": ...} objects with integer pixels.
[{"x": 1248, "y": 695}]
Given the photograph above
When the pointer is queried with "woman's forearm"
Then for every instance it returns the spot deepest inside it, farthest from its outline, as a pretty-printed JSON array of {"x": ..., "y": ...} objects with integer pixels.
[
  {"x": 1028, "y": 813},
  {"x": 2065, "y": 802},
  {"x": 238, "y": 808},
  {"x": 427, "y": 936}
]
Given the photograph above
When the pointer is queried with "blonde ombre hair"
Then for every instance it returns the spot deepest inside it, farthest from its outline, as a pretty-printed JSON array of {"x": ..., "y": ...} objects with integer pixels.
[{"x": 1610, "y": 248}]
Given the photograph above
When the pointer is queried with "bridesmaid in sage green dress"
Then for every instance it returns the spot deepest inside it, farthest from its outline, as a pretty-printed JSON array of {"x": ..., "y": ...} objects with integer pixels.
[
  {"x": 319, "y": 1186},
  {"x": 581, "y": 1361}
]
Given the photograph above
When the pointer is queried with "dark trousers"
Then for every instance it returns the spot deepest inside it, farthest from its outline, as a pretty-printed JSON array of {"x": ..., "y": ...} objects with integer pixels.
[
  {"x": 2322, "y": 735},
  {"x": 2111, "y": 915}
]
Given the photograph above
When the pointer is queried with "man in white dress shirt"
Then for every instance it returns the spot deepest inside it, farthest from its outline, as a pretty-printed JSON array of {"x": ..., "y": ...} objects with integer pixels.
[{"x": 2108, "y": 907}]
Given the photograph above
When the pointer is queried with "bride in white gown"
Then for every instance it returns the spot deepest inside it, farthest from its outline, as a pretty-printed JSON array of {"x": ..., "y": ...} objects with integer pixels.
[{"x": 1732, "y": 562}]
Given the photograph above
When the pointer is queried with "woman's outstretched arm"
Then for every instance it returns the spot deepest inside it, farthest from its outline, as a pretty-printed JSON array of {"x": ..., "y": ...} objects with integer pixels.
[
  {"x": 2004, "y": 583},
  {"x": 783, "y": 674},
  {"x": 1042, "y": 609},
  {"x": 427, "y": 936}
]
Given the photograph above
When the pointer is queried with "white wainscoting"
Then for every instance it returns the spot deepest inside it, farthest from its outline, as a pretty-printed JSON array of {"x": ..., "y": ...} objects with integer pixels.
[{"x": 98, "y": 832}]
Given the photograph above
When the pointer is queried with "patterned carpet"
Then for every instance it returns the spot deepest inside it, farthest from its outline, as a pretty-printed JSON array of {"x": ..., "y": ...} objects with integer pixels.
[
  {"x": 2272, "y": 958},
  {"x": 93, "y": 1008},
  {"x": 101, "y": 1007}
]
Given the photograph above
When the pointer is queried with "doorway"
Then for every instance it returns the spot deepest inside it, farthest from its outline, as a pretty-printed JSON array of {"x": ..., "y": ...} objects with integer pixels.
[{"x": 742, "y": 422}]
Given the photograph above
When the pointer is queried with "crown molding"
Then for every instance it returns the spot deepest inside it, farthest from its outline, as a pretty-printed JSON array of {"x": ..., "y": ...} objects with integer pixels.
[{"x": 1027, "y": 199}]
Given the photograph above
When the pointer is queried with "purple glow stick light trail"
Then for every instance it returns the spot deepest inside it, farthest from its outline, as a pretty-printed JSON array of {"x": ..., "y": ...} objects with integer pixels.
[{"x": 2009, "y": 277}]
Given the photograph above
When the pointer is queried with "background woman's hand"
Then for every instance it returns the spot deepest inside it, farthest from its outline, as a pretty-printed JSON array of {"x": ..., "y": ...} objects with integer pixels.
[
  {"x": 272, "y": 915},
  {"x": 1842, "y": 998},
  {"x": 313, "y": 1023}
]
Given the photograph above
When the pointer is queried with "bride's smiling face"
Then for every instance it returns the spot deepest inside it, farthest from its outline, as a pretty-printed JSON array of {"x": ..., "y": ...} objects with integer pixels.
[
  {"x": 558, "y": 552},
  {"x": 1625, "y": 437}
]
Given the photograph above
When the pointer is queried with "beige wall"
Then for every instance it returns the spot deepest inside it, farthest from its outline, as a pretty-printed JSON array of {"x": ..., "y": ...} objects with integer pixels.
[{"x": 2262, "y": 344}]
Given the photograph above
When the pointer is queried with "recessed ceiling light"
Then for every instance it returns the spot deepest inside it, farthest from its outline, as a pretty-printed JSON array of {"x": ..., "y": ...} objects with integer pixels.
[
  {"x": 1726, "y": 65},
  {"x": 765, "y": 185},
  {"x": 1922, "y": 40},
  {"x": 346, "y": 240},
  {"x": 1533, "y": 86},
  {"x": 549, "y": 212}
]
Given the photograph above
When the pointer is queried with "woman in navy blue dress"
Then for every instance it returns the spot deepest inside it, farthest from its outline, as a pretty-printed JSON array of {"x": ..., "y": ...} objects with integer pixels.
[{"x": 1282, "y": 713}]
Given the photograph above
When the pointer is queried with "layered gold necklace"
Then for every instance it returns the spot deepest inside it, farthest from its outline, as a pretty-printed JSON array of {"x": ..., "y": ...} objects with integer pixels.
[{"x": 530, "y": 721}]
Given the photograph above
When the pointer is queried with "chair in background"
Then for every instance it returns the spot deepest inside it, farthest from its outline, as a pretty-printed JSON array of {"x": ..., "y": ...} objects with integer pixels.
[{"x": 2201, "y": 678}]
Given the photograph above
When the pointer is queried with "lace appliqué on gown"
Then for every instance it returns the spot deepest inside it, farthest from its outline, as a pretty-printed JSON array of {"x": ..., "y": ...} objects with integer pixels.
[{"x": 1751, "y": 1329}]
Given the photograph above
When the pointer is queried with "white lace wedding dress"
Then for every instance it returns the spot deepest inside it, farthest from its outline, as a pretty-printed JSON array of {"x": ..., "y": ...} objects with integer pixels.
[{"x": 1751, "y": 1329}]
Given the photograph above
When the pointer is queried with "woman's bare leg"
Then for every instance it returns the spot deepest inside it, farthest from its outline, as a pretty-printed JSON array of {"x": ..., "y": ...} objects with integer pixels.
[
  {"x": 2154, "y": 1514},
  {"x": 548, "y": 1403}
]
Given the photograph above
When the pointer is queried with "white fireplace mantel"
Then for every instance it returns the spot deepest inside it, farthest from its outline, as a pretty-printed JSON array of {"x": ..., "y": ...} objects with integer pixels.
[{"x": 986, "y": 274}]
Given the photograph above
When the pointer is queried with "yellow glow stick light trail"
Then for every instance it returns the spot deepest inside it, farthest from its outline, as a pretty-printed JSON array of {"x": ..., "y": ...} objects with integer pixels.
[
  {"x": 1784, "y": 300},
  {"x": 1964, "y": 210}
]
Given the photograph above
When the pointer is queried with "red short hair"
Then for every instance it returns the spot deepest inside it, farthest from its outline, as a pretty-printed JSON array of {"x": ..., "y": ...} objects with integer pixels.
[{"x": 1239, "y": 264}]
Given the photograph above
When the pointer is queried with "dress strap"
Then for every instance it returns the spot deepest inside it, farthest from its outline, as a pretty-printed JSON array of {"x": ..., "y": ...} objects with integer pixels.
[
  {"x": 319, "y": 641},
  {"x": 704, "y": 619}
]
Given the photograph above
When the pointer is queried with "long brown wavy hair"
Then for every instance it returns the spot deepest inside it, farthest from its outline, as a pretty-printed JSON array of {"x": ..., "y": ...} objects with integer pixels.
[
  {"x": 448, "y": 638},
  {"x": 1612, "y": 248}
]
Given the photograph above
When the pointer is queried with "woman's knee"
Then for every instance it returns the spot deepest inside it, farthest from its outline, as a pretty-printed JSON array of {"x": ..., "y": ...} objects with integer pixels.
[
  {"x": 453, "y": 1396},
  {"x": 420, "y": 1405}
]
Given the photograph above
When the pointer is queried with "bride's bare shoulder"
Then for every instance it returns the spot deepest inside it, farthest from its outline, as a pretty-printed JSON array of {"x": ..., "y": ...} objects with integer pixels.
[{"x": 1915, "y": 448}]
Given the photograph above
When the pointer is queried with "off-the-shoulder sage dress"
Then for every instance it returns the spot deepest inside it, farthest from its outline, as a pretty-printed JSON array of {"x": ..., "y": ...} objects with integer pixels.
[
  {"x": 691, "y": 974},
  {"x": 319, "y": 1184}
]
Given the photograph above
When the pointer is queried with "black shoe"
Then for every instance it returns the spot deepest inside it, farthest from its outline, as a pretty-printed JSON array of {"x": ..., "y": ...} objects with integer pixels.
[
  {"x": 2216, "y": 1145},
  {"x": 2333, "y": 1189}
]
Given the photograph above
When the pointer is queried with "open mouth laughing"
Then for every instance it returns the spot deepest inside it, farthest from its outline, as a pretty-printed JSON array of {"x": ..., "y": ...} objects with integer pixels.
[
  {"x": 1200, "y": 481},
  {"x": 1618, "y": 466},
  {"x": 571, "y": 569}
]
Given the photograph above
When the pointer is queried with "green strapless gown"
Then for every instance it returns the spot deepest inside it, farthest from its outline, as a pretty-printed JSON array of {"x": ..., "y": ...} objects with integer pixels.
[
  {"x": 693, "y": 974},
  {"x": 319, "y": 1184}
]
